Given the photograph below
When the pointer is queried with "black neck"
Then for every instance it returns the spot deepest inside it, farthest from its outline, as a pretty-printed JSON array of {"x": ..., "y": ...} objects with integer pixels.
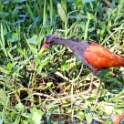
[{"x": 66, "y": 42}]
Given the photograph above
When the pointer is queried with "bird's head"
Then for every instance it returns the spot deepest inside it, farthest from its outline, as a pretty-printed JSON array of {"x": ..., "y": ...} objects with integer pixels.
[{"x": 49, "y": 40}]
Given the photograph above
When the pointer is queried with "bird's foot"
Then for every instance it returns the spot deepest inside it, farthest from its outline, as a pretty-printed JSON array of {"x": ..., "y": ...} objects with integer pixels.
[{"x": 87, "y": 91}]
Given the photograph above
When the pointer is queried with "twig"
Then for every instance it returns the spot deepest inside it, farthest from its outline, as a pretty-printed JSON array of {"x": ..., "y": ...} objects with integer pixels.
[
  {"x": 45, "y": 95},
  {"x": 69, "y": 96}
]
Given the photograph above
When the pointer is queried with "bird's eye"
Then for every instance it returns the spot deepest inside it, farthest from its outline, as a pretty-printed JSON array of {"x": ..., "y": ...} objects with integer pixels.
[{"x": 50, "y": 42}]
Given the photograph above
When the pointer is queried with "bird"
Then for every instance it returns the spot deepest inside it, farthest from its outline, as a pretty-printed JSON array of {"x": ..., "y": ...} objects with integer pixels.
[{"x": 95, "y": 56}]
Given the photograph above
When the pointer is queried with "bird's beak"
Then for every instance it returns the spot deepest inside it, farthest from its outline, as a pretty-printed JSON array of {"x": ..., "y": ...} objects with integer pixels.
[
  {"x": 45, "y": 46},
  {"x": 42, "y": 50}
]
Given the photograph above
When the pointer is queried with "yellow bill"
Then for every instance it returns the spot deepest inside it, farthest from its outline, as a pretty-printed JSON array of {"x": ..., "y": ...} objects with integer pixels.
[{"x": 41, "y": 51}]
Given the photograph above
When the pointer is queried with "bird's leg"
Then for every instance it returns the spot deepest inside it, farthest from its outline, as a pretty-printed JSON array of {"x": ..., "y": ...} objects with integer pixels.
[
  {"x": 101, "y": 75},
  {"x": 91, "y": 84},
  {"x": 97, "y": 96},
  {"x": 90, "y": 87}
]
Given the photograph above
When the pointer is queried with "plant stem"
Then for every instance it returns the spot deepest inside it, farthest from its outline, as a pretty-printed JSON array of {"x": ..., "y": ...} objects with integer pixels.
[{"x": 86, "y": 30}]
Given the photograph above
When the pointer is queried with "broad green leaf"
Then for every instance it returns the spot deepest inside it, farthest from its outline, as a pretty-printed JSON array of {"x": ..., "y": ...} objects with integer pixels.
[
  {"x": 20, "y": 106},
  {"x": 3, "y": 96},
  {"x": 88, "y": 118},
  {"x": 5, "y": 71},
  {"x": 49, "y": 84},
  {"x": 33, "y": 40},
  {"x": 61, "y": 13},
  {"x": 13, "y": 37},
  {"x": 36, "y": 116},
  {"x": 91, "y": 16},
  {"x": 33, "y": 49},
  {"x": 22, "y": 51}
]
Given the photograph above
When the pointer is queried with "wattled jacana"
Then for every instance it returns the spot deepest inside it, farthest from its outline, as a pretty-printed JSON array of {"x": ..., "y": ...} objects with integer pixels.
[{"x": 95, "y": 56}]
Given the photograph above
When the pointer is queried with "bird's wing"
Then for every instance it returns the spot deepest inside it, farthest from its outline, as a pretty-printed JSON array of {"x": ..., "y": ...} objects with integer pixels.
[{"x": 100, "y": 58}]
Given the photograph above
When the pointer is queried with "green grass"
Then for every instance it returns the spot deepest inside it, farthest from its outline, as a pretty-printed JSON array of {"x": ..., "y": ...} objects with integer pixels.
[{"x": 30, "y": 85}]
